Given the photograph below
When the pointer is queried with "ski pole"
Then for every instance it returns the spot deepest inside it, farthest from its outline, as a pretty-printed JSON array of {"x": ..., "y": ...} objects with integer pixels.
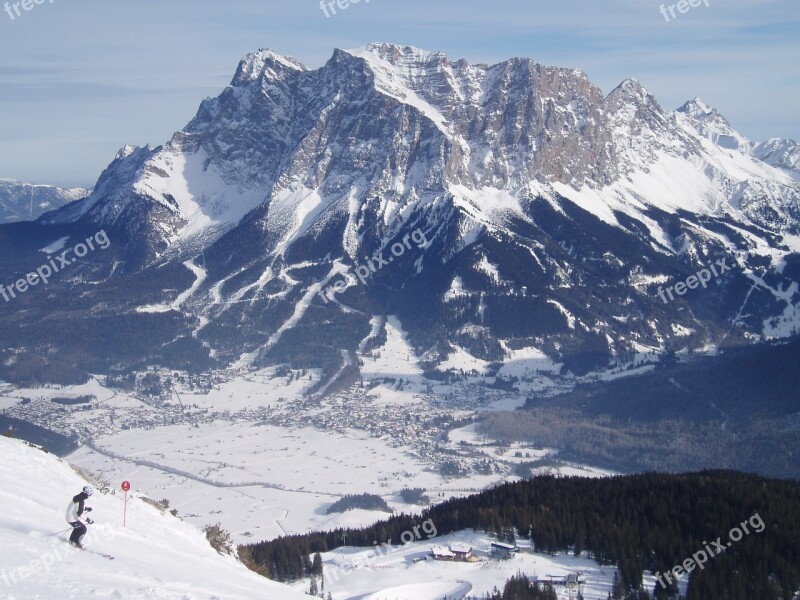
[{"x": 70, "y": 528}]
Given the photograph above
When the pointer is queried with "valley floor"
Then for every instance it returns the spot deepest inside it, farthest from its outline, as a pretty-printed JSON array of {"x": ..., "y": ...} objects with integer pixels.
[{"x": 252, "y": 451}]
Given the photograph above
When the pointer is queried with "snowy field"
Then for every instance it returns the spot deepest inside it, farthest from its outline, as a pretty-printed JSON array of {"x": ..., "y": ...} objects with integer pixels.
[
  {"x": 518, "y": 453},
  {"x": 261, "y": 481}
]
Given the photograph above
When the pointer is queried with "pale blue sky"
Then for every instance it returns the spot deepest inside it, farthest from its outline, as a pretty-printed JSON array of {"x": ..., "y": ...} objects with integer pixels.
[{"x": 81, "y": 78}]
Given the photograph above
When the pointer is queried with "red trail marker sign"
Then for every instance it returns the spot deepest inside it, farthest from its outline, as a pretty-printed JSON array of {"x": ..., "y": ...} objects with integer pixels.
[{"x": 126, "y": 486}]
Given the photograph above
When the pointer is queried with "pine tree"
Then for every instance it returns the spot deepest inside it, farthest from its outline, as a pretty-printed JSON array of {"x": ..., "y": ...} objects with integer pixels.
[
  {"x": 617, "y": 590},
  {"x": 316, "y": 566}
]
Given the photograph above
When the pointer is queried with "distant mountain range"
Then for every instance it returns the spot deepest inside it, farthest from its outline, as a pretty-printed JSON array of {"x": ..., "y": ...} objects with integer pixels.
[
  {"x": 26, "y": 202},
  {"x": 554, "y": 219}
]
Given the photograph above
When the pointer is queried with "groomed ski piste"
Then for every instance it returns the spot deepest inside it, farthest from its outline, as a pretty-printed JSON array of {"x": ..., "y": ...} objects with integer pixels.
[{"x": 155, "y": 556}]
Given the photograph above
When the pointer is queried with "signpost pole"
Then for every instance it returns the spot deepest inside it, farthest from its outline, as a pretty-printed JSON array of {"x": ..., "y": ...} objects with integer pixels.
[{"x": 126, "y": 486}]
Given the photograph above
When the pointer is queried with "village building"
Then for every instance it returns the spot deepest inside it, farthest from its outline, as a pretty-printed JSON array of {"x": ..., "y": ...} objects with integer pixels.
[
  {"x": 503, "y": 550},
  {"x": 455, "y": 553}
]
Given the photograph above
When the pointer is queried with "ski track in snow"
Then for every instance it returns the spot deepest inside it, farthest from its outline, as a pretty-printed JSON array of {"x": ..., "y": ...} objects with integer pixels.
[{"x": 200, "y": 275}]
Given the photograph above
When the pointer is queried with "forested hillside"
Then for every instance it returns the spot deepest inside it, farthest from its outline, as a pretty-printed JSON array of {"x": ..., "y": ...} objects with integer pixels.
[
  {"x": 739, "y": 410},
  {"x": 648, "y": 522}
]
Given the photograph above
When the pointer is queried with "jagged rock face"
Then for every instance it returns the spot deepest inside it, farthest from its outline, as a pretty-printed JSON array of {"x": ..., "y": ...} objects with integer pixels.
[
  {"x": 395, "y": 112},
  {"x": 400, "y": 124},
  {"x": 551, "y": 215}
]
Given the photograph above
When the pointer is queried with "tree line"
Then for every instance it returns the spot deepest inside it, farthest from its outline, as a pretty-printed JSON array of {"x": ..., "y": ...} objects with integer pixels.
[{"x": 648, "y": 522}]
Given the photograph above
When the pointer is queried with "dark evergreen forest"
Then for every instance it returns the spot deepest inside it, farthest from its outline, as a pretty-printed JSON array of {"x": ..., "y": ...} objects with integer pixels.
[{"x": 647, "y": 522}]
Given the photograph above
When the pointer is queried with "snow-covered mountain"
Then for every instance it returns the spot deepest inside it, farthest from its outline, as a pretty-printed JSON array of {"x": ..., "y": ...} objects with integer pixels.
[
  {"x": 548, "y": 216},
  {"x": 155, "y": 556},
  {"x": 781, "y": 153},
  {"x": 26, "y": 202}
]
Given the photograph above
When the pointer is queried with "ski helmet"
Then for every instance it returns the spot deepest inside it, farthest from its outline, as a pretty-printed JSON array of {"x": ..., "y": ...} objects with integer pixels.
[{"x": 87, "y": 489}]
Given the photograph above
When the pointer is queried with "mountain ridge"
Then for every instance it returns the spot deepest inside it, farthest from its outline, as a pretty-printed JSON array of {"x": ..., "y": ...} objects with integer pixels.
[
  {"x": 541, "y": 198},
  {"x": 26, "y": 202}
]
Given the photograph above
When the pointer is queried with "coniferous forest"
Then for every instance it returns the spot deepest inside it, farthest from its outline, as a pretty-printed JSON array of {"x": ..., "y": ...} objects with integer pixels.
[
  {"x": 647, "y": 522},
  {"x": 518, "y": 588}
]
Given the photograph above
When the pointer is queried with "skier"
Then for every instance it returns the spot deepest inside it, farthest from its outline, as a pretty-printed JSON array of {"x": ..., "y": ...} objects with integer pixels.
[{"x": 75, "y": 511}]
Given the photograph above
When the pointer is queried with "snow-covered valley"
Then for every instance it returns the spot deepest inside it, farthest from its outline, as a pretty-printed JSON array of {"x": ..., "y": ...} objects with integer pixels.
[{"x": 158, "y": 555}]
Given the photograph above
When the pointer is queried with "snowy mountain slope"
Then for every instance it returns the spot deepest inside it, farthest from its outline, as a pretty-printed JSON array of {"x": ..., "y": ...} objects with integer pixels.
[
  {"x": 781, "y": 153},
  {"x": 711, "y": 124},
  {"x": 558, "y": 209},
  {"x": 508, "y": 126},
  {"x": 26, "y": 202},
  {"x": 156, "y": 555}
]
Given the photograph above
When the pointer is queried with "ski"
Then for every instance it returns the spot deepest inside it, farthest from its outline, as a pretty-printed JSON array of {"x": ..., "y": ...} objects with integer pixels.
[
  {"x": 107, "y": 556},
  {"x": 90, "y": 551}
]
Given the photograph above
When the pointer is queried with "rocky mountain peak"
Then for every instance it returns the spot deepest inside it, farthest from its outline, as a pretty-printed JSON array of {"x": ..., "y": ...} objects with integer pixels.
[
  {"x": 710, "y": 124},
  {"x": 266, "y": 63}
]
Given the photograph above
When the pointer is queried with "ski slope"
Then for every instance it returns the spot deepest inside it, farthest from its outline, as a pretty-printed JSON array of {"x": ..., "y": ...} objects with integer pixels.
[
  {"x": 408, "y": 572},
  {"x": 155, "y": 556}
]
